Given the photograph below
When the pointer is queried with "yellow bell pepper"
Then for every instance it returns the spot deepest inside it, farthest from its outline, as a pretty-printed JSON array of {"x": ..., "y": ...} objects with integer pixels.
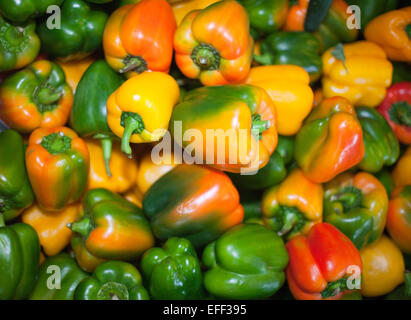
[
  {"x": 402, "y": 170},
  {"x": 289, "y": 88},
  {"x": 383, "y": 268},
  {"x": 134, "y": 195},
  {"x": 74, "y": 70},
  {"x": 181, "y": 8}
]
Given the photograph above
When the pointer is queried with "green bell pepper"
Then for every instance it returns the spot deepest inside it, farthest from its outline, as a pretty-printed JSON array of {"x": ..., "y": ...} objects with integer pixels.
[
  {"x": 112, "y": 280},
  {"x": 373, "y": 8},
  {"x": 89, "y": 112},
  {"x": 403, "y": 292},
  {"x": 80, "y": 33},
  {"x": 296, "y": 48},
  {"x": 22, "y": 10},
  {"x": 381, "y": 145},
  {"x": 173, "y": 271},
  {"x": 402, "y": 72},
  {"x": 387, "y": 181},
  {"x": 58, "y": 279},
  {"x": 246, "y": 262},
  {"x": 15, "y": 189},
  {"x": 19, "y": 260}
]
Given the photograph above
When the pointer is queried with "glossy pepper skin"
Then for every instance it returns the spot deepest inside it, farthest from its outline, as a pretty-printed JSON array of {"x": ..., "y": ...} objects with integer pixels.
[
  {"x": 320, "y": 263},
  {"x": 396, "y": 109},
  {"x": 288, "y": 87},
  {"x": 402, "y": 170},
  {"x": 245, "y": 113},
  {"x": 398, "y": 218},
  {"x": 392, "y": 31},
  {"x": 112, "y": 227},
  {"x": 181, "y": 8},
  {"x": 37, "y": 96},
  {"x": 296, "y": 15},
  {"x": 331, "y": 140},
  {"x": 372, "y": 9},
  {"x": 357, "y": 205},
  {"x": 140, "y": 37},
  {"x": 57, "y": 163},
  {"x": 19, "y": 260},
  {"x": 194, "y": 202},
  {"x": 292, "y": 207},
  {"x": 246, "y": 262},
  {"x": 381, "y": 145},
  {"x": 292, "y": 48},
  {"x": 89, "y": 113},
  {"x": 137, "y": 113},
  {"x": 15, "y": 189},
  {"x": 112, "y": 280},
  {"x": 358, "y": 71},
  {"x": 19, "y": 44},
  {"x": 80, "y": 33},
  {"x": 173, "y": 271},
  {"x": 64, "y": 267},
  {"x": 214, "y": 44},
  {"x": 21, "y": 11}
]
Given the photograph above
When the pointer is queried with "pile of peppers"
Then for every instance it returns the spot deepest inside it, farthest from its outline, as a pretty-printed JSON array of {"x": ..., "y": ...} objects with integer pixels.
[{"x": 104, "y": 176}]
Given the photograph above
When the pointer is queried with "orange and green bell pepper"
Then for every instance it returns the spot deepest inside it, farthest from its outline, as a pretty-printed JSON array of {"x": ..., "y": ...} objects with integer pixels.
[
  {"x": 80, "y": 32},
  {"x": 15, "y": 189},
  {"x": 399, "y": 218},
  {"x": 214, "y": 44},
  {"x": 358, "y": 71},
  {"x": 139, "y": 37},
  {"x": 357, "y": 205},
  {"x": 21, "y": 11},
  {"x": 292, "y": 207},
  {"x": 381, "y": 145},
  {"x": 112, "y": 280},
  {"x": 173, "y": 272},
  {"x": 37, "y": 96},
  {"x": 87, "y": 261},
  {"x": 392, "y": 31},
  {"x": 19, "y": 260},
  {"x": 372, "y": 9},
  {"x": 57, "y": 163},
  {"x": 320, "y": 263},
  {"x": 137, "y": 113},
  {"x": 402, "y": 170},
  {"x": 396, "y": 109},
  {"x": 331, "y": 140},
  {"x": 194, "y": 202}
]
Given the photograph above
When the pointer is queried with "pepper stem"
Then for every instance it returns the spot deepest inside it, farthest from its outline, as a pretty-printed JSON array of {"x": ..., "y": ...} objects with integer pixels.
[
  {"x": 14, "y": 35},
  {"x": 113, "y": 291},
  {"x": 83, "y": 226},
  {"x": 137, "y": 64},
  {"x": 259, "y": 126},
  {"x": 350, "y": 197},
  {"x": 400, "y": 113},
  {"x": 334, "y": 288},
  {"x": 133, "y": 124},
  {"x": 47, "y": 96},
  {"x": 56, "y": 143},
  {"x": 290, "y": 218},
  {"x": 206, "y": 57}
]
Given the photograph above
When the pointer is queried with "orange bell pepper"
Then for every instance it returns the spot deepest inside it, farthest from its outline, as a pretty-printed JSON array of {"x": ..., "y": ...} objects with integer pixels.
[
  {"x": 182, "y": 8},
  {"x": 296, "y": 16},
  {"x": 139, "y": 37},
  {"x": 402, "y": 170},
  {"x": 214, "y": 44},
  {"x": 74, "y": 70}
]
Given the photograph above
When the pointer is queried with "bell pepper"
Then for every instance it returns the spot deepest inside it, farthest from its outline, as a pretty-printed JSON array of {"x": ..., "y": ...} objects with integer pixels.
[
  {"x": 19, "y": 44},
  {"x": 273, "y": 172},
  {"x": 372, "y": 9},
  {"x": 137, "y": 113},
  {"x": 140, "y": 37},
  {"x": 292, "y": 207},
  {"x": 214, "y": 44},
  {"x": 288, "y": 87},
  {"x": 19, "y": 260},
  {"x": 392, "y": 31},
  {"x": 381, "y": 145},
  {"x": 37, "y": 96},
  {"x": 331, "y": 140},
  {"x": 403, "y": 292},
  {"x": 21, "y": 11},
  {"x": 182, "y": 8},
  {"x": 246, "y": 262},
  {"x": 57, "y": 163},
  {"x": 357, "y": 205},
  {"x": 296, "y": 15},
  {"x": 15, "y": 189},
  {"x": 402, "y": 170},
  {"x": 123, "y": 174},
  {"x": 292, "y": 48},
  {"x": 87, "y": 261},
  {"x": 396, "y": 109},
  {"x": 69, "y": 273},
  {"x": 402, "y": 72},
  {"x": 74, "y": 70},
  {"x": 173, "y": 272},
  {"x": 242, "y": 121},
  {"x": 194, "y": 202},
  {"x": 80, "y": 33},
  {"x": 112, "y": 227},
  {"x": 89, "y": 112},
  {"x": 134, "y": 195},
  {"x": 320, "y": 263},
  {"x": 358, "y": 71},
  {"x": 399, "y": 218},
  {"x": 112, "y": 280},
  {"x": 387, "y": 181},
  {"x": 266, "y": 16},
  {"x": 383, "y": 268},
  {"x": 51, "y": 227}
]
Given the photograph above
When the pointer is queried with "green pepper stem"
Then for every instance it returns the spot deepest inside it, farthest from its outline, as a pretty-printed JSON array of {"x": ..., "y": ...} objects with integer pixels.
[
  {"x": 264, "y": 59},
  {"x": 83, "y": 226},
  {"x": 137, "y": 64},
  {"x": 47, "y": 96},
  {"x": 133, "y": 124},
  {"x": 400, "y": 113},
  {"x": 106, "y": 145},
  {"x": 334, "y": 288},
  {"x": 350, "y": 197},
  {"x": 14, "y": 35},
  {"x": 56, "y": 143},
  {"x": 290, "y": 218},
  {"x": 259, "y": 126},
  {"x": 206, "y": 57},
  {"x": 113, "y": 291}
]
